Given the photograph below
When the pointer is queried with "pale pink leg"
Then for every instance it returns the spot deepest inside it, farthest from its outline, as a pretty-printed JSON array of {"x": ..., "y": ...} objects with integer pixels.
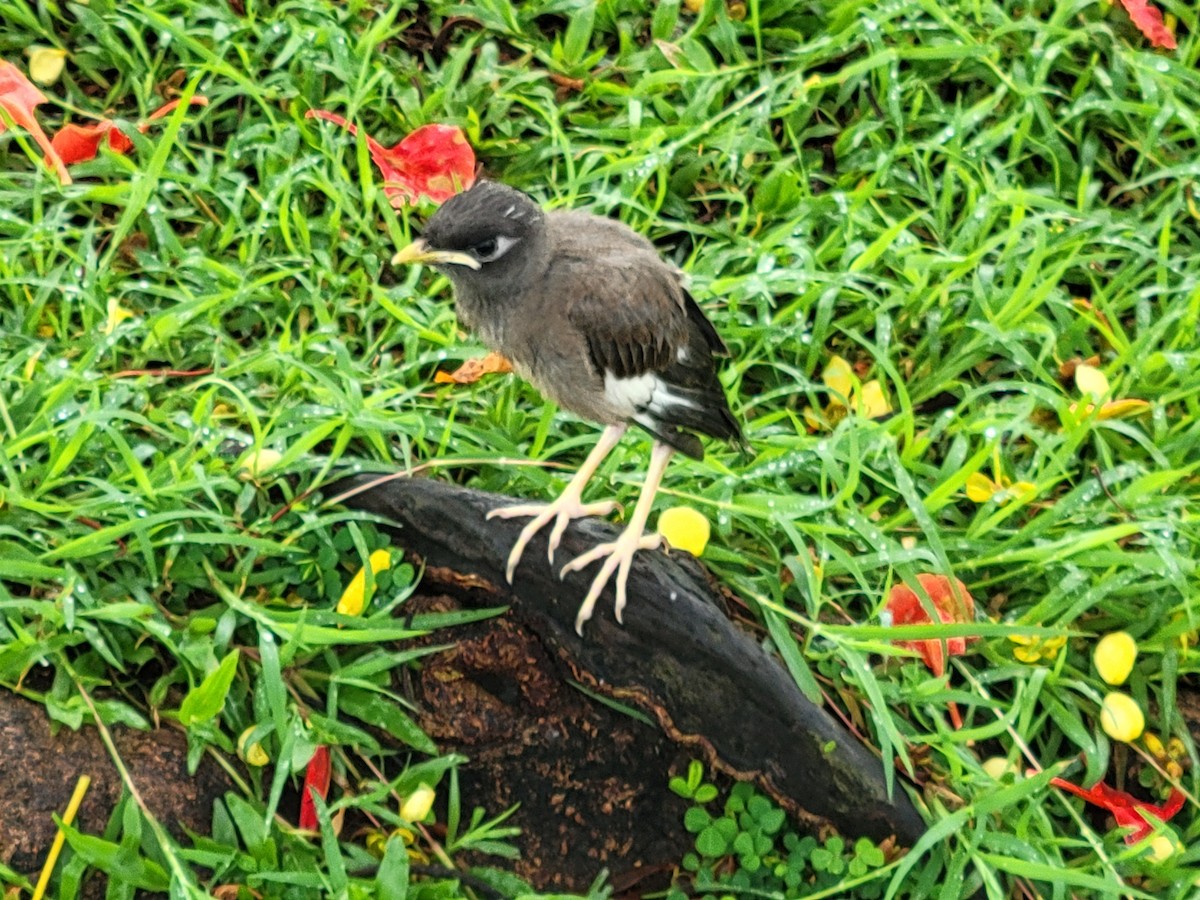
[
  {"x": 620, "y": 552},
  {"x": 569, "y": 504}
]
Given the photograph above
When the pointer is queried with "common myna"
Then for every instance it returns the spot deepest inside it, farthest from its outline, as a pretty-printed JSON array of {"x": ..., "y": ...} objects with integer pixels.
[{"x": 591, "y": 315}]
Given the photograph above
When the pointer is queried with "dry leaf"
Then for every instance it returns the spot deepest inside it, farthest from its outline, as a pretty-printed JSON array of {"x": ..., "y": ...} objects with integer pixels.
[{"x": 474, "y": 369}]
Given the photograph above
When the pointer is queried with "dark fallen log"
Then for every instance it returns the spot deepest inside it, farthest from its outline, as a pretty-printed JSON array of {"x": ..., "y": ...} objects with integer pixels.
[{"x": 678, "y": 657}]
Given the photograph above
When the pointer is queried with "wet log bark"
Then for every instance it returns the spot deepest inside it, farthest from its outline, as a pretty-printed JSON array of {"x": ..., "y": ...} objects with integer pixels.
[{"x": 678, "y": 656}]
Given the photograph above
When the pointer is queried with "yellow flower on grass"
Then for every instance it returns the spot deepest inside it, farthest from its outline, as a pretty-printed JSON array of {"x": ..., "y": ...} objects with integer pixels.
[
  {"x": 1162, "y": 847},
  {"x": 838, "y": 377},
  {"x": 1114, "y": 656},
  {"x": 258, "y": 462},
  {"x": 116, "y": 315},
  {"x": 867, "y": 400},
  {"x": 981, "y": 489},
  {"x": 354, "y": 597},
  {"x": 46, "y": 63},
  {"x": 1091, "y": 381},
  {"x": 684, "y": 528},
  {"x": 1034, "y": 648},
  {"x": 871, "y": 402},
  {"x": 1121, "y": 717},
  {"x": 1002, "y": 489},
  {"x": 417, "y": 805},
  {"x": 1172, "y": 757},
  {"x": 252, "y": 751},
  {"x": 1093, "y": 385}
]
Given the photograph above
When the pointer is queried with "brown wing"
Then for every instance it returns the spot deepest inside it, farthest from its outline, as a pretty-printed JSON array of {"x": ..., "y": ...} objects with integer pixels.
[{"x": 631, "y": 310}]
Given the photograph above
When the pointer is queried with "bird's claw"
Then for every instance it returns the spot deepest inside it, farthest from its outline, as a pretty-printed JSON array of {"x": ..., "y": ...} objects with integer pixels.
[
  {"x": 561, "y": 510},
  {"x": 620, "y": 555}
]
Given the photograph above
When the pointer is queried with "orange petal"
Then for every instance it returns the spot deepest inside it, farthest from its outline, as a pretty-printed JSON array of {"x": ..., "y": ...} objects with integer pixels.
[{"x": 474, "y": 369}]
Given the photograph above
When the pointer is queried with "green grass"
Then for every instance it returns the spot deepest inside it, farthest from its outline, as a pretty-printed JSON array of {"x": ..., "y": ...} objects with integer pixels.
[{"x": 924, "y": 189}]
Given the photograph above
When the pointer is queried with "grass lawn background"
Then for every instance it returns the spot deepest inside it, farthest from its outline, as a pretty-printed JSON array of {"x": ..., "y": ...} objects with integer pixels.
[{"x": 962, "y": 200}]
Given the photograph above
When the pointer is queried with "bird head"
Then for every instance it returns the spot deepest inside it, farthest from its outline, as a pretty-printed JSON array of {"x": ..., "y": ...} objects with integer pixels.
[{"x": 485, "y": 231}]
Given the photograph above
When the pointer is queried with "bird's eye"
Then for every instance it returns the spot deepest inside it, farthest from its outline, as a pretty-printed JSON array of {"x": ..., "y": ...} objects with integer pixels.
[
  {"x": 484, "y": 249},
  {"x": 491, "y": 249}
]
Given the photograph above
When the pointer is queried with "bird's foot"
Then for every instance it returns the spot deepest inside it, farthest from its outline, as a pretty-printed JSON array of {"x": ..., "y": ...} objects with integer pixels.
[
  {"x": 619, "y": 555},
  {"x": 562, "y": 511}
]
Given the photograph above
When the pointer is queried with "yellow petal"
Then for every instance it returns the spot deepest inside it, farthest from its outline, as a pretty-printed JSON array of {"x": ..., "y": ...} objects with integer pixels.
[
  {"x": 31, "y": 363},
  {"x": 1121, "y": 718},
  {"x": 838, "y": 377},
  {"x": 1027, "y": 654},
  {"x": 1114, "y": 656},
  {"x": 354, "y": 597},
  {"x": 251, "y": 751},
  {"x": 116, "y": 315},
  {"x": 417, "y": 805},
  {"x": 980, "y": 488},
  {"x": 46, "y": 64},
  {"x": 1117, "y": 409},
  {"x": 1090, "y": 381},
  {"x": 997, "y": 767},
  {"x": 1162, "y": 847},
  {"x": 685, "y": 528},
  {"x": 1021, "y": 490},
  {"x": 1154, "y": 745},
  {"x": 871, "y": 401},
  {"x": 258, "y": 462}
]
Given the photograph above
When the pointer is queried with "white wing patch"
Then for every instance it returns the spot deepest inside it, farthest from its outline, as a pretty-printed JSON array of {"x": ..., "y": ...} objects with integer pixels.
[{"x": 642, "y": 394}]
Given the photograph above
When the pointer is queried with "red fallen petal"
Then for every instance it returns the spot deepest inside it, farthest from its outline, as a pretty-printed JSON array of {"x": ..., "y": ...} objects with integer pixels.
[
  {"x": 435, "y": 161},
  {"x": 19, "y": 97},
  {"x": 79, "y": 143},
  {"x": 952, "y": 606},
  {"x": 1125, "y": 808},
  {"x": 1149, "y": 21},
  {"x": 167, "y": 108},
  {"x": 316, "y": 781}
]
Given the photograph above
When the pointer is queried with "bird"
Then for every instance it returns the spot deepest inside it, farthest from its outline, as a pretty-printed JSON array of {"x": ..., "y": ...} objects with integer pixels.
[{"x": 588, "y": 312}]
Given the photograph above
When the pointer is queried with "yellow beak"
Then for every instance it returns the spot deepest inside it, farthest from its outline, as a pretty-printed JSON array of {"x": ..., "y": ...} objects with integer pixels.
[{"x": 419, "y": 252}]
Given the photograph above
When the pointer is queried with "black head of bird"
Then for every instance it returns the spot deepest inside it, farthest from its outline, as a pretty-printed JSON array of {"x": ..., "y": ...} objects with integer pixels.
[
  {"x": 589, "y": 312},
  {"x": 484, "y": 237}
]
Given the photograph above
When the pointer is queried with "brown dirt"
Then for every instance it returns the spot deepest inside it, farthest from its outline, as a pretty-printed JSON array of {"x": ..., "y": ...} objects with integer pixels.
[
  {"x": 41, "y": 766},
  {"x": 591, "y": 782}
]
